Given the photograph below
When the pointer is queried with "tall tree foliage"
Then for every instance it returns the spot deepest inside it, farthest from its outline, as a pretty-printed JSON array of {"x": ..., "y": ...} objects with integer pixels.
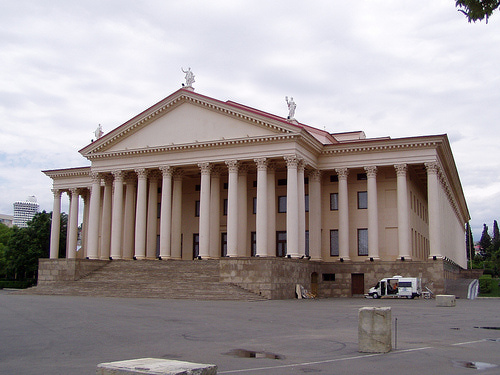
[
  {"x": 485, "y": 241},
  {"x": 477, "y": 10},
  {"x": 469, "y": 242},
  {"x": 495, "y": 242}
]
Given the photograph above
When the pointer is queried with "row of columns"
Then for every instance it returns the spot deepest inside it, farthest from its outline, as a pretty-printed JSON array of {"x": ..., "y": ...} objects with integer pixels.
[{"x": 112, "y": 217}]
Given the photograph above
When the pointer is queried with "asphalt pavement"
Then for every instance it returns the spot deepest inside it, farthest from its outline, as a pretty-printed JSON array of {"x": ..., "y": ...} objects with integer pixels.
[{"x": 71, "y": 335}]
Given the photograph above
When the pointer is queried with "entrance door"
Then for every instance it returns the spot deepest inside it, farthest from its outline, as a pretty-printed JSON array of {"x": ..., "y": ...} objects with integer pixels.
[
  {"x": 281, "y": 243},
  {"x": 314, "y": 283},
  {"x": 357, "y": 283}
]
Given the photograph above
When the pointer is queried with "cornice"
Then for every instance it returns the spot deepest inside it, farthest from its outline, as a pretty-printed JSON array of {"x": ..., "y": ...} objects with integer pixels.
[
  {"x": 70, "y": 172},
  {"x": 193, "y": 146},
  {"x": 380, "y": 145}
]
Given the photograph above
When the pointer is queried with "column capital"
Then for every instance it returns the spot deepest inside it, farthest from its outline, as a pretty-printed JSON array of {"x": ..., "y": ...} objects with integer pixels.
[
  {"x": 432, "y": 168},
  {"x": 216, "y": 171},
  {"x": 301, "y": 165},
  {"x": 261, "y": 164},
  {"x": 178, "y": 174},
  {"x": 271, "y": 165},
  {"x": 154, "y": 175},
  {"x": 56, "y": 192},
  {"x": 232, "y": 165},
  {"x": 166, "y": 170},
  {"x": 401, "y": 169},
  {"x": 371, "y": 171},
  {"x": 292, "y": 161},
  {"x": 142, "y": 174},
  {"x": 243, "y": 169},
  {"x": 315, "y": 175},
  {"x": 118, "y": 175},
  {"x": 205, "y": 168},
  {"x": 74, "y": 191},
  {"x": 342, "y": 173},
  {"x": 95, "y": 177}
]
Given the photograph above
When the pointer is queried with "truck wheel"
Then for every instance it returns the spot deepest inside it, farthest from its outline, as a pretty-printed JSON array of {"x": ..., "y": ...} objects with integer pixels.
[{"x": 375, "y": 295}]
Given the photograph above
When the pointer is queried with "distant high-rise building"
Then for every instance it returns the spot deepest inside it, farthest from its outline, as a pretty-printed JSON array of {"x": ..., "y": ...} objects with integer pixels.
[
  {"x": 6, "y": 219},
  {"x": 24, "y": 211}
]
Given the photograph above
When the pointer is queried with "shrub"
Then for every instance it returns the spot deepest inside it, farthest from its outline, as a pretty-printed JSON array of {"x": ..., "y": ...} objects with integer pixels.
[
  {"x": 485, "y": 284},
  {"x": 16, "y": 284}
]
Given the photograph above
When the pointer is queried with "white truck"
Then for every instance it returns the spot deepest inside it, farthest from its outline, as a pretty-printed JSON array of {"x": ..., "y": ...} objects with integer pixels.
[{"x": 397, "y": 287}]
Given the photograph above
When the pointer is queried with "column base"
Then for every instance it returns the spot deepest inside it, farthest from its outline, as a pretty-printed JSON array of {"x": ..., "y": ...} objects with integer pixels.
[
  {"x": 344, "y": 259},
  {"x": 404, "y": 258},
  {"x": 372, "y": 259},
  {"x": 435, "y": 257}
]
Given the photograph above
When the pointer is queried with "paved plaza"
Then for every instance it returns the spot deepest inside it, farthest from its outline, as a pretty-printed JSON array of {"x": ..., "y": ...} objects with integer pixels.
[{"x": 71, "y": 335}]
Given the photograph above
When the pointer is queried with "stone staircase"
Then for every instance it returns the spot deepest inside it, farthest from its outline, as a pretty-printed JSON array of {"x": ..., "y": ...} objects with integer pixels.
[{"x": 178, "y": 279}]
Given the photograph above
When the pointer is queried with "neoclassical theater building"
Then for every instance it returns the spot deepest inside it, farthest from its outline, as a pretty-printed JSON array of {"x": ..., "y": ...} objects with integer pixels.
[{"x": 275, "y": 201}]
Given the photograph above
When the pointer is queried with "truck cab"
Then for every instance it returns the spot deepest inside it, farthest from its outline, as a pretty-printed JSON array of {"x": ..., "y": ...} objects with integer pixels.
[{"x": 397, "y": 287}]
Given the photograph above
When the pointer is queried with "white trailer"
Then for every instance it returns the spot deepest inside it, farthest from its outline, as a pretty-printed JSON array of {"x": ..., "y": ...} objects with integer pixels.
[{"x": 397, "y": 287}]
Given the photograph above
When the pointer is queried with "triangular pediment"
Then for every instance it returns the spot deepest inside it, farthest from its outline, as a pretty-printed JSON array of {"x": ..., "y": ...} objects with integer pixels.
[{"x": 188, "y": 118}]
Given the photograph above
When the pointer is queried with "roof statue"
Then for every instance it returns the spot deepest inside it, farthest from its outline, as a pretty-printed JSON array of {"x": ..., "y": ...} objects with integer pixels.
[
  {"x": 189, "y": 78},
  {"x": 98, "y": 132},
  {"x": 291, "y": 108}
]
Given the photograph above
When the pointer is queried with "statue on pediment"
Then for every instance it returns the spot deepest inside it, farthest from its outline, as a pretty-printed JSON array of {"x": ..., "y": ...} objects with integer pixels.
[
  {"x": 189, "y": 77},
  {"x": 291, "y": 107},
  {"x": 98, "y": 132}
]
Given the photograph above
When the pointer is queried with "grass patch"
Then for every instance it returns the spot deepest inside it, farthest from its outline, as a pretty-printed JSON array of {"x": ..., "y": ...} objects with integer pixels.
[{"x": 495, "y": 289}]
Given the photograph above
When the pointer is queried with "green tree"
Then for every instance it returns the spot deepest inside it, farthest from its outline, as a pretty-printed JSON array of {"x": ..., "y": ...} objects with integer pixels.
[
  {"x": 26, "y": 246},
  {"x": 495, "y": 242},
  {"x": 485, "y": 241},
  {"x": 476, "y": 10},
  {"x": 5, "y": 233},
  {"x": 469, "y": 243}
]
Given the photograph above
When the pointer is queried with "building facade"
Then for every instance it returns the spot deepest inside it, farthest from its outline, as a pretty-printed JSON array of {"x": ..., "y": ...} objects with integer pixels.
[
  {"x": 193, "y": 177},
  {"x": 7, "y": 220},
  {"x": 25, "y": 211}
]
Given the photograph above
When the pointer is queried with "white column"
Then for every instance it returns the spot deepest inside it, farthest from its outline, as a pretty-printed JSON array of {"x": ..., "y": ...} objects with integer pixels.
[
  {"x": 271, "y": 211},
  {"x": 106, "y": 217},
  {"x": 403, "y": 212},
  {"x": 152, "y": 221},
  {"x": 95, "y": 206},
  {"x": 292, "y": 207},
  {"x": 82, "y": 253},
  {"x": 232, "y": 209},
  {"x": 343, "y": 173},
  {"x": 315, "y": 215},
  {"x": 373, "y": 251},
  {"x": 129, "y": 217},
  {"x": 243, "y": 243},
  {"x": 302, "y": 208},
  {"x": 215, "y": 214},
  {"x": 261, "y": 214},
  {"x": 141, "y": 213},
  {"x": 433, "y": 172},
  {"x": 166, "y": 212},
  {"x": 117, "y": 216},
  {"x": 73, "y": 224},
  {"x": 177, "y": 215},
  {"x": 204, "y": 232},
  {"x": 55, "y": 229}
]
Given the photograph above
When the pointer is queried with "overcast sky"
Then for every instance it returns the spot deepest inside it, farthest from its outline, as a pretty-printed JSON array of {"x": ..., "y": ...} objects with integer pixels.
[{"x": 390, "y": 68}]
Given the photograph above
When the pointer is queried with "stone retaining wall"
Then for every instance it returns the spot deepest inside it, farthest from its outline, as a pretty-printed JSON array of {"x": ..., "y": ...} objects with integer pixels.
[{"x": 53, "y": 270}]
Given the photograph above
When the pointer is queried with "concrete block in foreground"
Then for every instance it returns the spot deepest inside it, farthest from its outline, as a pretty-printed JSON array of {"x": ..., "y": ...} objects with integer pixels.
[
  {"x": 374, "y": 330},
  {"x": 155, "y": 366},
  {"x": 445, "y": 300}
]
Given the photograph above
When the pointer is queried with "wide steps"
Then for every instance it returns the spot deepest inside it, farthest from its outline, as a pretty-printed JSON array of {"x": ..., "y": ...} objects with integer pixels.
[{"x": 176, "y": 279}]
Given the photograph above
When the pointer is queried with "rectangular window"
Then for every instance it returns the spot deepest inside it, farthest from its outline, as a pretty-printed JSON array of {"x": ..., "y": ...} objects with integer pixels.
[
  {"x": 328, "y": 277},
  {"x": 334, "y": 178},
  {"x": 362, "y": 200},
  {"x": 334, "y": 243},
  {"x": 254, "y": 209},
  {"x": 306, "y": 197},
  {"x": 334, "y": 201},
  {"x": 158, "y": 210},
  {"x": 363, "y": 242},
  {"x": 224, "y": 209},
  {"x": 225, "y": 185},
  {"x": 362, "y": 177},
  {"x": 280, "y": 243},
  {"x": 223, "y": 244},
  {"x": 253, "y": 243},
  {"x": 196, "y": 245},
  {"x": 197, "y": 187},
  {"x": 282, "y": 182},
  {"x": 282, "y": 204},
  {"x": 197, "y": 208}
]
